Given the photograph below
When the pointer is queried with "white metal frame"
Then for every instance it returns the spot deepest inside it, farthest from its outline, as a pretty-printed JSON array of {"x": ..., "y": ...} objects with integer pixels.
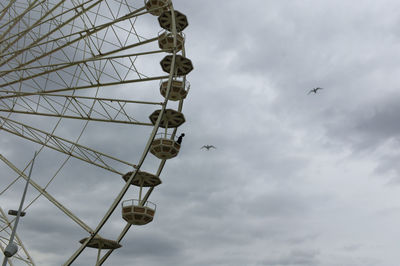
[{"x": 54, "y": 104}]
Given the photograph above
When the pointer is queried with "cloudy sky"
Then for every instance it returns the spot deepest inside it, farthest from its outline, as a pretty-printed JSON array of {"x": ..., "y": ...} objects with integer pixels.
[{"x": 296, "y": 179}]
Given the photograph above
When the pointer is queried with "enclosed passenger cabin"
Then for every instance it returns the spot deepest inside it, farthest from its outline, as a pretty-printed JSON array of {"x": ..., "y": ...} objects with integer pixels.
[
  {"x": 164, "y": 148},
  {"x": 170, "y": 119},
  {"x": 166, "y": 41},
  {"x": 157, "y": 7},
  {"x": 179, "y": 90},
  {"x": 165, "y": 20},
  {"x": 101, "y": 243},
  {"x": 134, "y": 213},
  {"x": 182, "y": 65}
]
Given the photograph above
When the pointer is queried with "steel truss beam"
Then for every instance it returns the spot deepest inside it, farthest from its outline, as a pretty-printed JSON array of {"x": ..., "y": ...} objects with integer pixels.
[
  {"x": 82, "y": 36},
  {"x": 25, "y": 257},
  {"x": 22, "y": 34},
  {"x": 48, "y": 196},
  {"x": 18, "y": 52},
  {"x": 14, "y": 94},
  {"x": 63, "y": 145},
  {"x": 51, "y": 68},
  {"x": 83, "y": 108}
]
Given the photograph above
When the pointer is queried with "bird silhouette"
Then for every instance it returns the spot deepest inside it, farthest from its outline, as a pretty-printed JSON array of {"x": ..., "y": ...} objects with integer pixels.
[
  {"x": 315, "y": 90},
  {"x": 208, "y": 147}
]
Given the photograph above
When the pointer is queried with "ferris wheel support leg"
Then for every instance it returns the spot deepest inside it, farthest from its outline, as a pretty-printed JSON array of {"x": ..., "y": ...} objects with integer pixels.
[{"x": 48, "y": 196}]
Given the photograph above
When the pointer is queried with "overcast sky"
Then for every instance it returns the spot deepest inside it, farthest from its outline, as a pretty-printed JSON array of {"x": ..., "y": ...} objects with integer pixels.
[{"x": 296, "y": 179}]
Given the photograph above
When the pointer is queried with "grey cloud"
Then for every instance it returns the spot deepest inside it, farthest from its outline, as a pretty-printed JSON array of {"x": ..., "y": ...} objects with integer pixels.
[
  {"x": 293, "y": 258},
  {"x": 254, "y": 64},
  {"x": 147, "y": 246}
]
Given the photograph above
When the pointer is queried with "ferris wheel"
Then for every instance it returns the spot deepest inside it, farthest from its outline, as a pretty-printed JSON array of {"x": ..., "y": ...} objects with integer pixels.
[{"x": 93, "y": 87}]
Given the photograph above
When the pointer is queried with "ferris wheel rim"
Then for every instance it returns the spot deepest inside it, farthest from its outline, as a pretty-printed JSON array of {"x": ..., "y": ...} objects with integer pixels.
[{"x": 145, "y": 152}]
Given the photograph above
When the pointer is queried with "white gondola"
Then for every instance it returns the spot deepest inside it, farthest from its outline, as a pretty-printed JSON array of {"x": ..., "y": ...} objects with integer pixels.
[
  {"x": 166, "y": 41},
  {"x": 157, "y": 7},
  {"x": 182, "y": 67},
  {"x": 134, "y": 213},
  {"x": 165, "y": 20},
  {"x": 179, "y": 89},
  {"x": 143, "y": 179},
  {"x": 101, "y": 243},
  {"x": 164, "y": 148}
]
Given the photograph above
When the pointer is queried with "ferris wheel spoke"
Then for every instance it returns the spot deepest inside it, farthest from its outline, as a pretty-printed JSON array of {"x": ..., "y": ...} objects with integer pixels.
[
  {"x": 14, "y": 93},
  {"x": 102, "y": 110},
  {"x": 88, "y": 118},
  {"x": 5, "y": 10},
  {"x": 102, "y": 56},
  {"x": 19, "y": 258},
  {"x": 43, "y": 192},
  {"x": 141, "y": 40},
  {"x": 73, "y": 71},
  {"x": 37, "y": 40},
  {"x": 87, "y": 34},
  {"x": 2, "y": 238},
  {"x": 114, "y": 28},
  {"x": 52, "y": 31},
  {"x": 29, "y": 28},
  {"x": 5, "y": 223},
  {"x": 54, "y": 68},
  {"x": 118, "y": 240},
  {"x": 63, "y": 145},
  {"x": 15, "y": 20},
  {"x": 40, "y": 22}
]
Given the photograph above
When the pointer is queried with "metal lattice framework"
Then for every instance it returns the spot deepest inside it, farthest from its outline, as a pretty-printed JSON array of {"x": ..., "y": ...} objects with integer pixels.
[
  {"x": 70, "y": 65},
  {"x": 23, "y": 256}
]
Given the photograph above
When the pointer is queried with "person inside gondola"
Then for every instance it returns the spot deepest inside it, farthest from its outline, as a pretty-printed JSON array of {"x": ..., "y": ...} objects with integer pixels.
[{"x": 180, "y": 138}]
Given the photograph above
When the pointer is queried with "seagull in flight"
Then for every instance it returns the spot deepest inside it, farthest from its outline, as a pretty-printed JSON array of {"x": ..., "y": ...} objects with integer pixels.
[
  {"x": 315, "y": 90},
  {"x": 208, "y": 147}
]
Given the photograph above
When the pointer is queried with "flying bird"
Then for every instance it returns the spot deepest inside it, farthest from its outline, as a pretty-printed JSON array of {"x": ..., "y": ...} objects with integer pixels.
[
  {"x": 208, "y": 147},
  {"x": 315, "y": 90}
]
